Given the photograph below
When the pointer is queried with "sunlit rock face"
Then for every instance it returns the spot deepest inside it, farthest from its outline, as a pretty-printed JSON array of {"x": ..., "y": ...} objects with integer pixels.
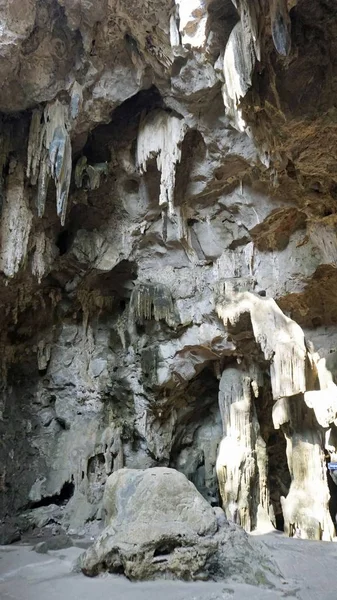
[{"x": 168, "y": 256}]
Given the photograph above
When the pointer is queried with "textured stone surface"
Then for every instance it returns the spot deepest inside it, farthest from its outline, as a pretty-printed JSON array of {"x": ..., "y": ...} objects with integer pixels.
[
  {"x": 158, "y": 525},
  {"x": 168, "y": 227}
]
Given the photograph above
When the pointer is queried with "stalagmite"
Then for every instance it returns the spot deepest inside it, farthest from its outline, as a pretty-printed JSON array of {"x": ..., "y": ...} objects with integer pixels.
[
  {"x": 306, "y": 506},
  {"x": 160, "y": 136},
  {"x": 49, "y": 154},
  {"x": 16, "y": 221},
  {"x": 242, "y": 459}
]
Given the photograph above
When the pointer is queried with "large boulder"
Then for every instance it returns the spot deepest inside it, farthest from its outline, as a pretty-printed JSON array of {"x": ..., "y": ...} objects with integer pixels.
[{"x": 158, "y": 525}]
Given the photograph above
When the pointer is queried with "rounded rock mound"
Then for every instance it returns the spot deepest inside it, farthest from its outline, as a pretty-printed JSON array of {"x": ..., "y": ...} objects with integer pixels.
[{"x": 159, "y": 525}]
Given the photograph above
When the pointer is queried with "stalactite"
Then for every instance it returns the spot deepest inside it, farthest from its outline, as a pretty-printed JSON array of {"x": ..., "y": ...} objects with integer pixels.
[
  {"x": 324, "y": 405},
  {"x": 239, "y": 63},
  {"x": 91, "y": 300},
  {"x": 160, "y": 136},
  {"x": 76, "y": 100},
  {"x": 93, "y": 173},
  {"x": 251, "y": 16},
  {"x": 121, "y": 329},
  {"x": 38, "y": 263},
  {"x": 244, "y": 48},
  {"x": 184, "y": 234},
  {"x": 49, "y": 154},
  {"x": 16, "y": 221},
  {"x": 280, "y": 26},
  {"x": 57, "y": 141},
  {"x": 281, "y": 339},
  {"x": 152, "y": 301},
  {"x": 34, "y": 146},
  {"x": 175, "y": 39},
  {"x": 43, "y": 182}
]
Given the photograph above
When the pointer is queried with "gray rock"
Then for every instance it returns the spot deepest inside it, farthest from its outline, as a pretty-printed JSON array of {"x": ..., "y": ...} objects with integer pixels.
[
  {"x": 9, "y": 534},
  {"x": 57, "y": 542},
  {"x": 88, "y": 385},
  {"x": 158, "y": 525}
]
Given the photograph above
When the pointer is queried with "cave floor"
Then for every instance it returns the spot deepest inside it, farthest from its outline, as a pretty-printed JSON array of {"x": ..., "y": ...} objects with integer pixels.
[{"x": 309, "y": 569}]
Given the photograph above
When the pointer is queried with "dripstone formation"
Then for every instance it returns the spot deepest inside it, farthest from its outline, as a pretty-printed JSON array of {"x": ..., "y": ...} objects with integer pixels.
[{"x": 168, "y": 273}]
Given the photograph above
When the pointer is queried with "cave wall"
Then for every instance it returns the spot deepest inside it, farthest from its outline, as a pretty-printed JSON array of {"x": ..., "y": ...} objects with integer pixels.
[{"x": 168, "y": 255}]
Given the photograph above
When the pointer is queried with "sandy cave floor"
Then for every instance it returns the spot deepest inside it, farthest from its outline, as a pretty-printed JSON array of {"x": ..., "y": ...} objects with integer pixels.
[{"x": 309, "y": 570}]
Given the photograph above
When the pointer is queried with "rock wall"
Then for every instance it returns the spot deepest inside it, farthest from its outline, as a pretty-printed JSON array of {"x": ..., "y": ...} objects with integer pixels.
[{"x": 168, "y": 255}]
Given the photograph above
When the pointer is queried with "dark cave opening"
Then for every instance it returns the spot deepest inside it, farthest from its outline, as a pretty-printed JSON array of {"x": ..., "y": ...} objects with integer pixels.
[
  {"x": 332, "y": 484},
  {"x": 63, "y": 241},
  {"x": 124, "y": 122},
  {"x": 95, "y": 463},
  {"x": 166, "y": 548},
  {"x": 67, "y": 491},
  {"x": 198, "y": 434},
  {"x": 193, "y": 149},
  {"x": 279, "y": 478},
  {"x": 118, "y": 282},
  {"x": 278, "y": 474}
]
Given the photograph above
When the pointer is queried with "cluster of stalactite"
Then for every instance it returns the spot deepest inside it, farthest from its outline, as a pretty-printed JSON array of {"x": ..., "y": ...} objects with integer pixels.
[
  {"x": 152, "y": 301},
  {"x": 49, "y": 155},
  {"x": 244, "y": 48},
  {"x": 160, "y": 136}
]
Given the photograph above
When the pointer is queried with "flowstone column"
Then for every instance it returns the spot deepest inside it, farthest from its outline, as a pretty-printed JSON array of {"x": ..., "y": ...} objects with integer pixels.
[
  {"x": 242, "y": 464},
  {"x": 305, "y": 408},
  {"x": 306, "y": 507}
]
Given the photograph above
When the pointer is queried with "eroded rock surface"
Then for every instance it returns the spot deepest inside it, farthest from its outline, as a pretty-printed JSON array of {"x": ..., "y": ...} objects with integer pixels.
[
  {"x": 168, "y": 257},
  {"x": 158, "y": 525}
]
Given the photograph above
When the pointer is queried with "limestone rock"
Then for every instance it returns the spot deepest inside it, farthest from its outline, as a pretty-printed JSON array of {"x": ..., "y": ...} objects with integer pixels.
[
  {"x": 54, "y": 543},
  {"x": 158, "y": 525},
  {"x": 168, "y": 257},
  {"x": 9, "y": 534}
]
